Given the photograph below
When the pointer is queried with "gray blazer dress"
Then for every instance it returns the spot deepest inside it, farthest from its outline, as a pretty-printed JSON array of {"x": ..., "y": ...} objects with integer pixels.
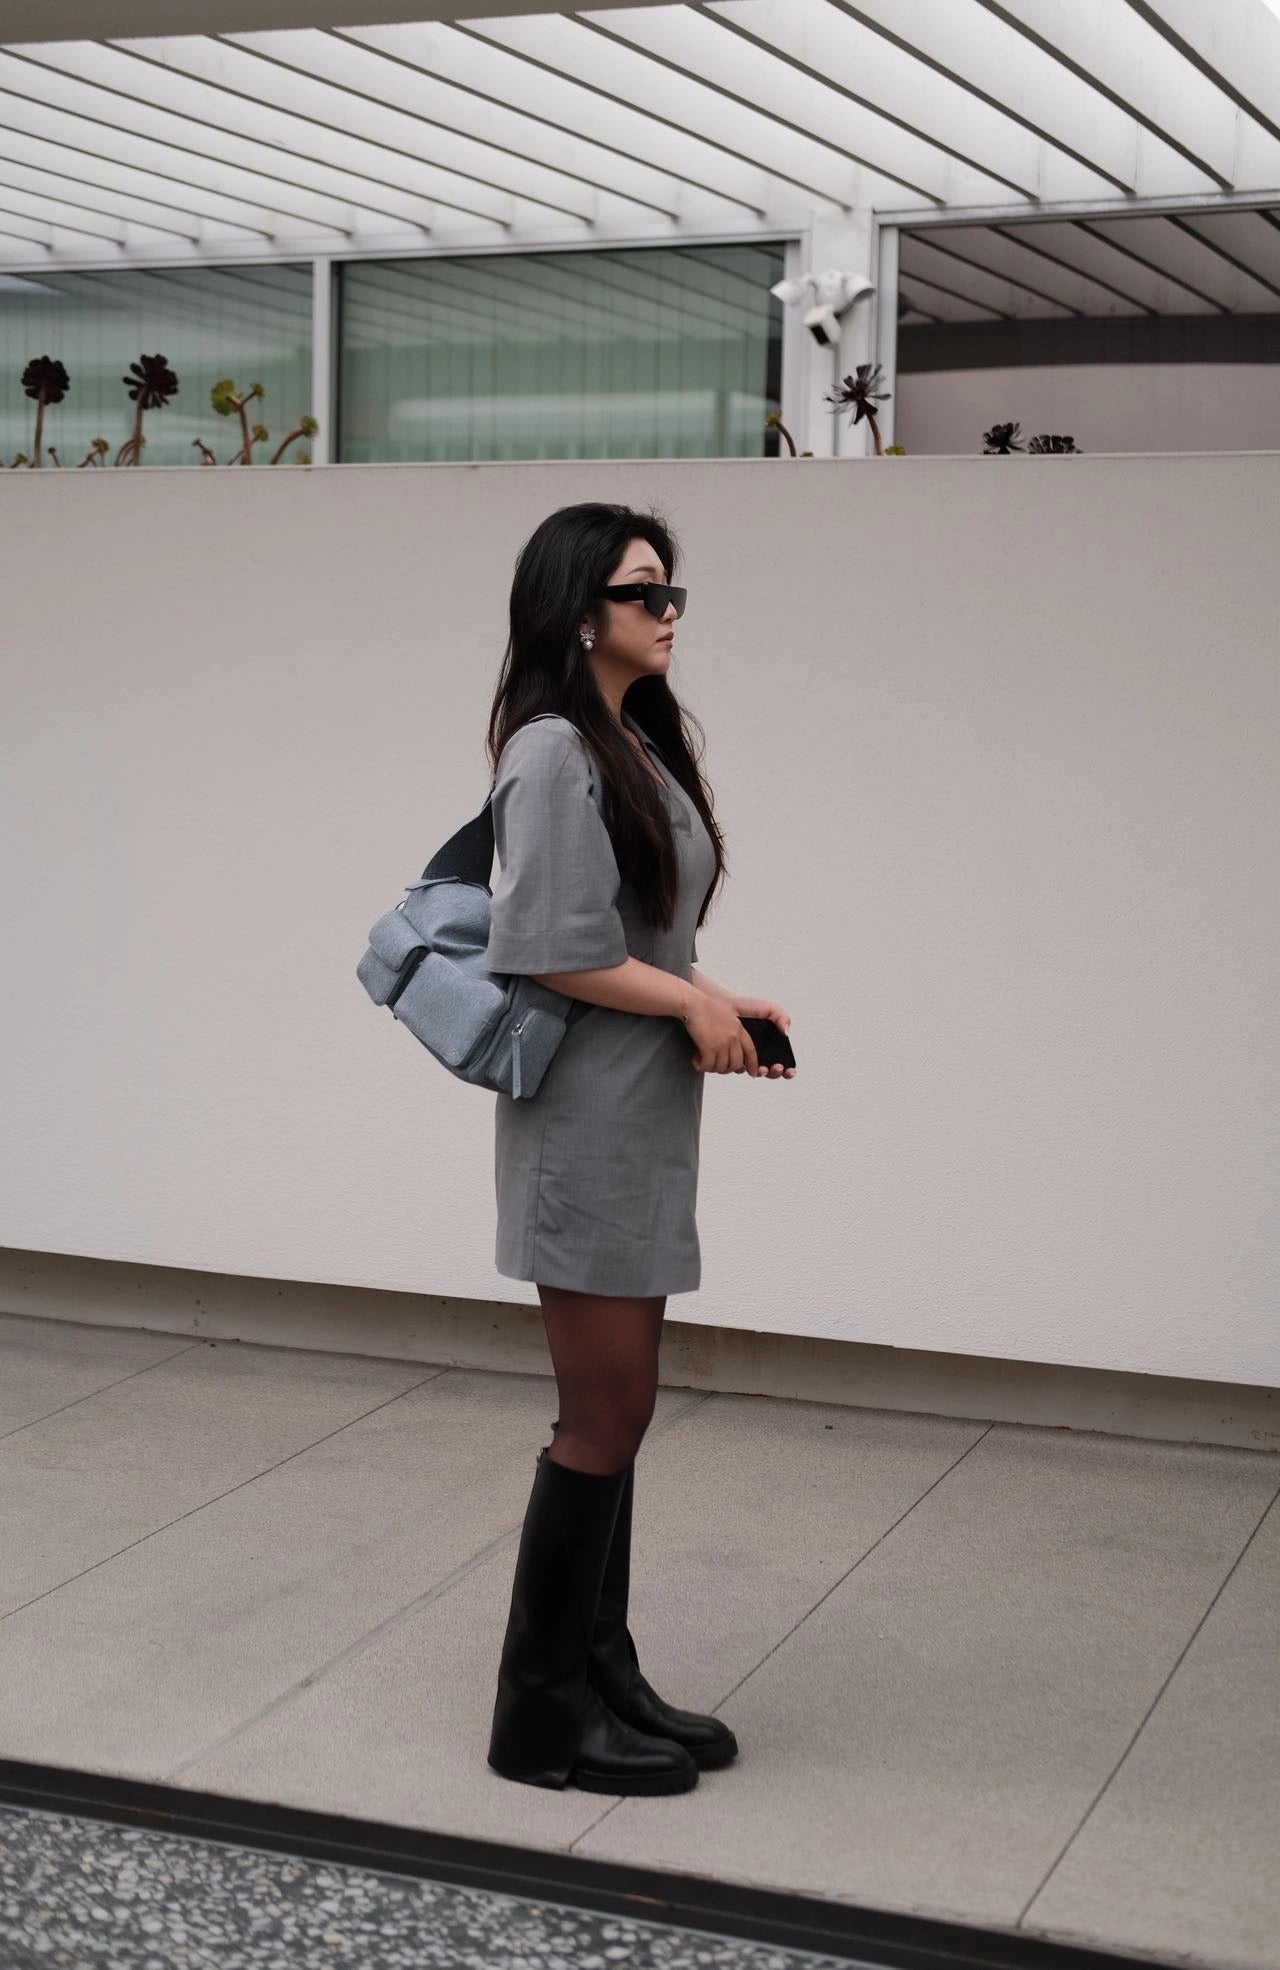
[{"x": 596, "y": 1174}]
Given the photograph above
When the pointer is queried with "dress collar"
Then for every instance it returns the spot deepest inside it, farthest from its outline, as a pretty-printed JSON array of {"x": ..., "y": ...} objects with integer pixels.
[{"x": 640, "y": 733}]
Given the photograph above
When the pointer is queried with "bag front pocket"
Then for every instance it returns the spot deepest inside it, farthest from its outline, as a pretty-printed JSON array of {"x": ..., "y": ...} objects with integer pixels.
[
  {"x": 393, "y": 942},
  {"x": 450, "y": 1010},
  {"x": 535, "y": 1039}
]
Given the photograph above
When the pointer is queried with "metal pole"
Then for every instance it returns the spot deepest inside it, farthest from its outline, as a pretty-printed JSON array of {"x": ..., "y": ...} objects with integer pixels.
[
  {"x": 887, "y": 325},
  {"x": 324, "y": 397}
]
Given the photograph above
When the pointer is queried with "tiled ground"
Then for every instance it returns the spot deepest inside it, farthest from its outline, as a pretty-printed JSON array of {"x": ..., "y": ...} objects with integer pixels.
[{"x": 1001, "y": 1675}]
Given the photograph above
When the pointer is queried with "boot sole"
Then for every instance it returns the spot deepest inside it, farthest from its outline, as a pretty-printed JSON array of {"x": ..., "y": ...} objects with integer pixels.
[
  {"x": 710, "y": 1757},
  {"x": 647, "y": 1783}
]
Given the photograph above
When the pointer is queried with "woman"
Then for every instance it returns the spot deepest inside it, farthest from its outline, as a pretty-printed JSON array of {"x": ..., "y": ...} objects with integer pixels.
[{"x": 608, "y": 855}]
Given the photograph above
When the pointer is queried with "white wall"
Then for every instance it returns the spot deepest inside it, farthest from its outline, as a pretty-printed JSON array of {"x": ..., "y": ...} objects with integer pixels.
[
  {"x": 994, "y": 743},
  {"x": 1106, "y": 407}
]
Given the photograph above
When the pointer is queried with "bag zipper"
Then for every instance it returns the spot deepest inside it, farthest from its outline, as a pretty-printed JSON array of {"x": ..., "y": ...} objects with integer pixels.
[{"x": 516, "y": 1031}]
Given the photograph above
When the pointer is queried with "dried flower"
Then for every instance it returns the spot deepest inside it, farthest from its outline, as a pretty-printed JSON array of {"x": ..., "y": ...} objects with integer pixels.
[{"x": 1051, "y": 442}]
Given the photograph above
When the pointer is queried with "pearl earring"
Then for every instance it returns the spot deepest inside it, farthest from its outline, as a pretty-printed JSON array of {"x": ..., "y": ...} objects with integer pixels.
[{"x": 586, "y": 639}]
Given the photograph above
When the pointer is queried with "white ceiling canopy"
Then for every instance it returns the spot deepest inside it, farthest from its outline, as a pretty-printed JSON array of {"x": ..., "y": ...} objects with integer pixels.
[{"x": 660, "y": 123}]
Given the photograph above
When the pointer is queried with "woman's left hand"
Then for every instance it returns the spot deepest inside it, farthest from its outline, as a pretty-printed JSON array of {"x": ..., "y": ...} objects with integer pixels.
[{"x": 766, "y": 1009}]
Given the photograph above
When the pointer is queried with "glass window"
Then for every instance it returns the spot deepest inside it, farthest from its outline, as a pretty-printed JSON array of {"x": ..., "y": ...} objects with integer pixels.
[
  {"x": 641, "y": 352},
  {"x": 252, "y": 324}
]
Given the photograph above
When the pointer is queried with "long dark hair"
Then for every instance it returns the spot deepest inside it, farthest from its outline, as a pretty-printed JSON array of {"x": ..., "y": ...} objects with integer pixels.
[{"x": 559, "y": 573}]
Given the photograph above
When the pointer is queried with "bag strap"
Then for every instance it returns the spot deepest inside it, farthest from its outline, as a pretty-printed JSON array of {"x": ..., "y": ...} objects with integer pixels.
[{"x": 468, "y": 854}]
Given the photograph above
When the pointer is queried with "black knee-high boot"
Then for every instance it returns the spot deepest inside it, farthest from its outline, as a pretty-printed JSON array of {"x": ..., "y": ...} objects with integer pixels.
[
  {"x": 550, "y": 1725},
  {"x": 614, "y": 1667}
]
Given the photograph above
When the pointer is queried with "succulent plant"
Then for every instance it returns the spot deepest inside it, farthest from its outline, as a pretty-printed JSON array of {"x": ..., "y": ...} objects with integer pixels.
[
  {"x": 307, "y": 428},
  {"x": 152, "y": 384},
  {"x": 863, "y": 392},
  {"x": 228, "y": 402},
  {"x": 45, "y": 379},
  {"x": 1001, "y": 438}
]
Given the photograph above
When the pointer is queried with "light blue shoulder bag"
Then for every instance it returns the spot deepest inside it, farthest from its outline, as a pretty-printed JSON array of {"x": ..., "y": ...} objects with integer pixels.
[{"x": 426, "y": 961}]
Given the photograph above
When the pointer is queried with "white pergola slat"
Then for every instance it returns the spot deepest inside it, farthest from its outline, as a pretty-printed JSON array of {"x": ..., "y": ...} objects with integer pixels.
[
  {"x": 1017, "y": 257},
  {"x": 1005, "y": 160},
  {"x": 741, "y": 126},
  {"x": 1114, "y": 57},
  {"x": 484, "y": 72},
  {"x": 930, "y": 64},
  {"x": 1112, "y": 272},
  {"x": 352, "y": 74},
  {"x": 1235, "y": 44},
  {"x": 721, "y": 118}
]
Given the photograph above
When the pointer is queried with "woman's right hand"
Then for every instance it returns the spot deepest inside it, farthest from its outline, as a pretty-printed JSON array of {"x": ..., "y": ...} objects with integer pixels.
[{"x": 723, "y": 1043}]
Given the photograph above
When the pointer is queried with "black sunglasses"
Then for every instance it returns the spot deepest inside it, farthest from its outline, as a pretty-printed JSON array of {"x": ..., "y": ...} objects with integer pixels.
[{"x": 654, "y": 594}]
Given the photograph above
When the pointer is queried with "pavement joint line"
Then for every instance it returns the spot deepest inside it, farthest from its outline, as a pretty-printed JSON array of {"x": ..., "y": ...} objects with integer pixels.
[
  {"x": 89, "y": 1394},
  {"x": 796, "y": 1626},
  {"x": 266, "y": 1471},
  {"x": 435, "y": 1592},
  {"x": 392, "y": 1620},
  {"x": 1089, "y": 1811}
]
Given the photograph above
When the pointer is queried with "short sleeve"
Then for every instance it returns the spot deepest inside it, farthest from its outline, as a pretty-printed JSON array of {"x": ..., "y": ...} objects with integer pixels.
[{"x": 554, "y": 905}]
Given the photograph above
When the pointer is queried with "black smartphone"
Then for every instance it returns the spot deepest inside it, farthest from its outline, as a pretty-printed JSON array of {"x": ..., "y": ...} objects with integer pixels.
[{"x": 772, "y": 1045}]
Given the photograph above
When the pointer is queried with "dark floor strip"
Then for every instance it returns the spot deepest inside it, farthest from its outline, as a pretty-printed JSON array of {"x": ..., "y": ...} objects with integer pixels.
[{"x": 98, "y": 1869}]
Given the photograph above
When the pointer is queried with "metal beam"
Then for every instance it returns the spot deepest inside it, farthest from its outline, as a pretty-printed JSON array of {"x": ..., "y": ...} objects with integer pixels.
[
  {"x": 1075, "y": 208},
  {"x": 324, "y": 338},
  {"x": 886, "y": 327},
  {"x": 87, "y": 20}
]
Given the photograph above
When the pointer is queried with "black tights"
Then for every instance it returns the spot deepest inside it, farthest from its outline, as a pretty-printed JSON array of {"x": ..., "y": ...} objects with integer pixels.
[{"x": 605, "y": 1353}]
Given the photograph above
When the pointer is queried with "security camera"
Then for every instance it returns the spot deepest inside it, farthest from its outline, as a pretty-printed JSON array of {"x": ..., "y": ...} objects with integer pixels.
[
  {"x": 824, "y": 325},
  {"x": 834, "y": 291}
]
